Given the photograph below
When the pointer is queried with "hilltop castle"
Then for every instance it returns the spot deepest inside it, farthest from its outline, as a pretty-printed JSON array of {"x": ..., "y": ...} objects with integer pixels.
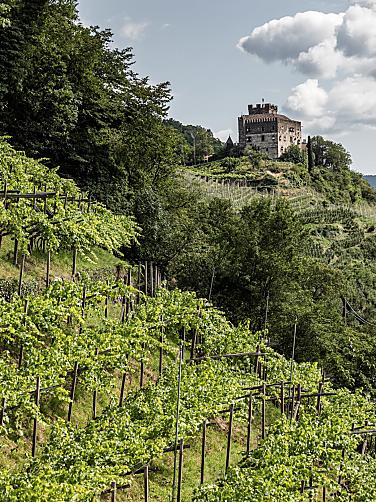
[{"x": 268, "y": 131}]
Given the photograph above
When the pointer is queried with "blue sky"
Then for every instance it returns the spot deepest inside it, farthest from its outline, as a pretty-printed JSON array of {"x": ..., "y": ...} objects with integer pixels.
[{"x": 319, "y": 66}]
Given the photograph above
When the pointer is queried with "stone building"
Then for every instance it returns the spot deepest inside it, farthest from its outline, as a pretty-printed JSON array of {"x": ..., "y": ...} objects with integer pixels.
[{"x": 268, "y": 131}]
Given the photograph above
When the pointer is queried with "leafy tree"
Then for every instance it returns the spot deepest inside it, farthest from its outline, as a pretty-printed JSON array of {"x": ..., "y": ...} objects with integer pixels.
[
  {"x": 294, "y": 154},
  {"x": 255, "y": 156},
  {"x": 329, "y": 154},
  {"x": 67, "y": 95},
  {"x": 198, "y": 138}
]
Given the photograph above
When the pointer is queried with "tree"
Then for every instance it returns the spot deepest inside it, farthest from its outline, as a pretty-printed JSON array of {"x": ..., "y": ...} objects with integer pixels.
[
  {"x": 68, "y": 95},
  {"x": 294, "y": 154},
  {"x": 329, "y": 154}
]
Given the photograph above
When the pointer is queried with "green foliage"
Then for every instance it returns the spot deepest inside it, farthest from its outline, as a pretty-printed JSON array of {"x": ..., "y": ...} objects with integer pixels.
[
  {"x": 294, "y": 154},
  {"x": 329, "y": 154},
  {"x": 200, "y": 141},
  {"x": 61, "y": 222},
  {"x": 295, "y": 451},
  {"x": 68, "y": 95},
  {"x": 230, "y": 164},
  {"x": 255, "y": 156}
]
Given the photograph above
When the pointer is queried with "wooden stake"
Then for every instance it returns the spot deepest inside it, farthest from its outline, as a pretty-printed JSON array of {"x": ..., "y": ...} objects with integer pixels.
[
  {"x": 203, "y": 447},
  {"x": 113, "y": 491},
  {"x": 263, "y": 411},
  {"x": 146, "y": 484},
  {"x": 74, "y": 263},
  {"x": 2, "y": 412},
  {"x": 121, "y": 399},
  {"x": 249, "y": 429},
  {"x": 151, "y": 279},
  {"x": 282, "y": 398},
  {"x": 22, "y": 268},
  {"x": 35, "y": 428},
  {"x": 229, "y": 436},
  {"x": 146, "y": 277},
  {"x": 180, "y": 476},
  {"x": 95, "y": 392},
  {"x": 318, "y": 405},
  {"x": 73, "y": 391}
]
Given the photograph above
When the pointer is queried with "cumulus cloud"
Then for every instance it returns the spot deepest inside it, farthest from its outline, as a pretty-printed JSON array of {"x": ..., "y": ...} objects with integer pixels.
[
  {"x": 307, "y": 99},
  {"x": 356, "y": 35},
  {"x": 133, "y": 30},
  {"x": 319, "y": 44},
  {"x": 284, "y": 39},
  {"x": 338, "y": 52},
  {"x": 348, "y": 104}
]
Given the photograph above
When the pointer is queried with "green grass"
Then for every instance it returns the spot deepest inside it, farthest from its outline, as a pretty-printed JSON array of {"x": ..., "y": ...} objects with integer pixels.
[{"x": 61, "y": 263}]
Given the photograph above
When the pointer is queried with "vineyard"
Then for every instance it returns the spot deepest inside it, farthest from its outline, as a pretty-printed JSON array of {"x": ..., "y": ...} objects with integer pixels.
[{"x": 100, "y": 380}]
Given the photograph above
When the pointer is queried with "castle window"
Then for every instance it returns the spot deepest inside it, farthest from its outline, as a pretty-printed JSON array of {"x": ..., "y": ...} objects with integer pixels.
[
  {"x": 263, "y": 137},
  {"x": 262, "y": 128}
]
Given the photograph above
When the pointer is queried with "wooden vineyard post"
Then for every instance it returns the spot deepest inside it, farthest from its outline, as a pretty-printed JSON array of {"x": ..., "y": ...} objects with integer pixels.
[
  {"x": 249, "y": 428},
  {"x": 151, "y": 279},
  {"x": 193, "y": 345},
  {"x": 180, "y": 475},
  {"x": 106, "y": 306},
  {"x": 74, "y": 263},
  {"x": 142, "y": 370},
  {"x": 113, "y": 491},
  {"x": 263, "y": 411},
  {"x": 35, "y": 427},
  {"x": 146, "y": 277},
  {"x": 48, "y": 268},
  {"x": 95, "y": 392},
  {"x": 2, "y": 412},
  {"x": 128, "y": 305},
  {"x": 122, "y": 390},
  {"x": 73, "y": 391},
  {"x": 292, "y": 404},
  {"x": 203, "y": 448},
  {"x": 298, "y": 400},
  {"x": 139, "y": 283},
  {"x": 229, "y": 436},
  {"x": 22, "y": 268},
  {"x": 257, "y": 359},
  {"x": 282, "y": 398},
  {"x": 177, "y": 419},
  {"x": 318, "y": 405},
  {"x": 146, "y": 483}
]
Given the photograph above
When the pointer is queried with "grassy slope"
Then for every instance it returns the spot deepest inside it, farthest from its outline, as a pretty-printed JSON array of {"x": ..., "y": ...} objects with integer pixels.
[{"x": 61, "y": 263}]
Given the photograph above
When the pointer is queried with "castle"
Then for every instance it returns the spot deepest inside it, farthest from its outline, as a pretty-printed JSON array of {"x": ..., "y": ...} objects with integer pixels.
[{"x": 267, "y": 131}]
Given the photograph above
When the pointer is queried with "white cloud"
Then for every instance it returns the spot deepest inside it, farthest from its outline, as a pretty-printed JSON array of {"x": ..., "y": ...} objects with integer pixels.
[
  {"x": 350, "y": 103},
  {"x": 224, "y": 134},
  {"x": 357, "y": 36},
  {"x": 286, "y": 38},
  {"x": 337, "y": 48},
  {"x": 307, "y": 99},
  {"x": 133, "y": 30},
  {"x": 319, "y": 44}
]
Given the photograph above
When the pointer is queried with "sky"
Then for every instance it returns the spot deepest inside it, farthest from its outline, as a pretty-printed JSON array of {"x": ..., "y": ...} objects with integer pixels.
[{"x": 315, "y": 59}]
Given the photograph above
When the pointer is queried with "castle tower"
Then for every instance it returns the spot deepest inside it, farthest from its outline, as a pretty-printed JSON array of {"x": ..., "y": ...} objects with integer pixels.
[{"x": 268, "y": 131}]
